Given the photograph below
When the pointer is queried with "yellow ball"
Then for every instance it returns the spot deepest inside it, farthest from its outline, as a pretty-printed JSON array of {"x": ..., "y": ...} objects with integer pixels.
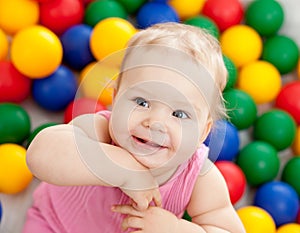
[
  {"x": 109, "y": 36},
  {"x": 3, "y": 45},
  {"x": 261, "y": 80},
  {"x": 256, "y": 220},
  {"x": 296, "y": 143},
  {"x": 18, "y": 14},
  {"x": 36, "y": 51},
  {"x": 14, "y": 173},
  {"x": 289, "y": 228},
  {"x": 242, "y": 44},
  {"x": 187, "y": 8}
]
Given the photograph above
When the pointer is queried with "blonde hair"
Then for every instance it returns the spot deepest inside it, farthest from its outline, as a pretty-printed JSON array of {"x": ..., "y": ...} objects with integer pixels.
[{"x": 196, "y": 42}]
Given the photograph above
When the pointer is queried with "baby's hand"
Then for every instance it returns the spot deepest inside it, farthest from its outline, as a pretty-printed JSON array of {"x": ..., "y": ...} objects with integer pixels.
[{"x": 142, "y": 198}]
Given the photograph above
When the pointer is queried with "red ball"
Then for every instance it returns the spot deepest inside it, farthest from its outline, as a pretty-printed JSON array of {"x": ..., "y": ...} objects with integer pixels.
[
  {"x": 225, "y": 13},
  {"x": 288, "y": 99},
  {"x": 82, "y": 106},
  {"x": 235, "y": 179},
  {"x": 59, "y": 15},
  {"x": 14, "y": 86}
]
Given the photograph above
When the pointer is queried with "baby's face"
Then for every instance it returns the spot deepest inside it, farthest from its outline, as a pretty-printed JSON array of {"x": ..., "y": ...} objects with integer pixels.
[{"x": 159, "y": 116}]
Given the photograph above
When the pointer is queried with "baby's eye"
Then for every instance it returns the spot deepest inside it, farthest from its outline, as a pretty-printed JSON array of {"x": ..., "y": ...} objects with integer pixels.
[
  {"x": 142, "y": 102},
  {"x": 180, "y": 114}
]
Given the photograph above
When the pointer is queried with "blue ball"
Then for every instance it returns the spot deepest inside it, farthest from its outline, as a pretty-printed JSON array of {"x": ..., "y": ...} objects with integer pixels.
[
  {"x": 223, "y": 141},
  {"x": 0, "y": 211},
  {"x": 76, "y": 46},
  {"x": 155, "y": 12},
  {"x": 56, "y": 91},
  {"x": 280, "y": 200}
]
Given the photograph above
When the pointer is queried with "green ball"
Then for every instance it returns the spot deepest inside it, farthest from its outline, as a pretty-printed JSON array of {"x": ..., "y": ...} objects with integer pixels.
[
  {"x": 14, "y": 123},
  {"x": 276, "y": 127},
  {"x": 37, "y": 130},
  {"x": 241, "y": 108},
  {"x": 266, "y": 16},
  {"x": 259, "y": 161},
  {"x": 232, "y": 72},
  {"x": 204, "y": 22},
  {"x": 291, "y": 173},
  {"x": 282, "y": 52},
  {"x": 131, "y": 6},
  {"x": 102, "y": 9},
  {"x": 186, "y": 216}
]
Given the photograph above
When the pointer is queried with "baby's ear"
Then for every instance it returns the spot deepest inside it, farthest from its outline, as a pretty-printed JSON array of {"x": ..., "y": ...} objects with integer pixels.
[{"x": 206, "y": 130}]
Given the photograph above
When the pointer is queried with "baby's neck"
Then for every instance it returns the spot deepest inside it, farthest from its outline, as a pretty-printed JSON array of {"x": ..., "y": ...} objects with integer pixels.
[{"x": 162, "y": 175}]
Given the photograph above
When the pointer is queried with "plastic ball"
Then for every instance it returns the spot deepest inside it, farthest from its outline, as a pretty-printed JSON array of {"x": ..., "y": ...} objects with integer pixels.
[
  {"x": 14, "y": 123},
  {"x": 225, "y": 13},
  {"x": 289, "y": 228},
  {"x": 56, "y": 91},
  {"x": 232, "y": 73},
  {"x": 234, "y": 178},
  {"x": 132, "y": 6},
  {"x": 259, "y": 162},
  {"x": 187, "y": 8},
  {"x": 102, "y": 9},
  {"x": 223, "y": 141},
  {"x": 205, "y": 23},
  {"x": 18, "y": 14},
  {"x": 261, "y": 80},
  {"x": 266, "y": 17},
  {"x": 280, "y": 200},
  {"x": 241, "y": 108},
  {"x": 276, "y": 127},
  {"x": 298, "y": 69},
  {"x": 59, "y": 15},
  {"x": 0, "y": 212},
  {"x": 76, "y": 46},
  {"x": 155, "y": 12},
  {"x": 37, "y": 130},
  {"x": 14, "y": 86},
  {"x": 36, "y": 51},
  {"x": 110, "y": 35},
  {"x": 82, "y": 106},
  {"x": 282, "y": 52},
  {"x": 291, "y": 173},
  {"x": 296, "y": 143},
  {"x": 3, "y": 45},
  {"x": 288, "y": 99},
  {"x": 14, "y": 173},
  {"x": 242, "y": 44}
]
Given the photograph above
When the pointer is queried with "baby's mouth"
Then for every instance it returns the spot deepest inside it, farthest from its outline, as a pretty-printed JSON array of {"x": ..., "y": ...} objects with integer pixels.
[{"x": 148, "y": 143}]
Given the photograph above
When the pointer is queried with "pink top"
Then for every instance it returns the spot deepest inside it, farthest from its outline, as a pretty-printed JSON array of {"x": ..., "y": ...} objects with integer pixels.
[{"x": 86, "y": 209}]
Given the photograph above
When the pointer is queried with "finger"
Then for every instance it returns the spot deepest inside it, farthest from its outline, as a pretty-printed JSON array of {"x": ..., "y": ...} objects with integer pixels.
[
  {"x": 157, "y": 199},
  {"x": 132, "y": 222},
  {"x": 126, "y": 209},
  {"x": 141, "y": 204}
]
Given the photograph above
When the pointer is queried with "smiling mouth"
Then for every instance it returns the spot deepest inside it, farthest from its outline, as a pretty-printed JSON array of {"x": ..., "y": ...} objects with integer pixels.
[{"x": 147, "y": 143}]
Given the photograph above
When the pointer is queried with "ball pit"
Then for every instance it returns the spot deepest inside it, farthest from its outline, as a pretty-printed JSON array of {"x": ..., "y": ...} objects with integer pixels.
[
  {"x": 3, "y": 45},
  {"x": 187, "y": 8},
  {"x": 289, "y": 228},
  {"x": 290, "y": 173}
]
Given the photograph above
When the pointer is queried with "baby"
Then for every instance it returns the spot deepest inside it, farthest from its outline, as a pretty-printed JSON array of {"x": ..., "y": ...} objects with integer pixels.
[{"x": 140, "y": 166}]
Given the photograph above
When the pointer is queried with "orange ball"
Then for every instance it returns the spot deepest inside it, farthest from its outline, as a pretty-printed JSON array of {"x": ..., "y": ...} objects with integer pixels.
[
  {"x": 296, "y": 143},
  {"x": 3, "y": 45}
]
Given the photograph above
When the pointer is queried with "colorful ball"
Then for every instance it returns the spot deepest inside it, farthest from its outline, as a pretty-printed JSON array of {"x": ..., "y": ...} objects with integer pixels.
[
  {"x": 18, "y": 14},
  {"x": 241, "y": 108},
  {"x": 242, "y": 44},
  {"x": 280, "y": 200},
  {"x": 276, "y": 127},
  {"x": 296, "y": 143},
  {"x": 234, "y": 178},
  {"x": 289, "y": 228},
  {"x": 232, "y": 73},
  {"x": 261, "y": 80},
  {"x": 266, "y": 17},
  {"x": 82, "y": 106},
  {"x": 205, "y": 23},
  {"x": 291, "y": 173},
  {"x": 36, "y": 51},
  {"x": 155, "y": 12},
  {"x": 223, "y": 141},
  {"x": 225, "y": 13},
  {"x": 14, "y": 123},
  {"x": 102, "y": 9},
  {"x": 76, "y": 46},
  {"x": 110, "y": 35},
  {"x": 187, "y": 8},
  {"x": 259, "y": 162},
  {"x": 288, "y": 99},
  {"x": 256, "y": 220},
  {"x": 56, "y": 91},
  {"x": 282, "y": 52},
  {"x": 14, "y": 86},
  {"x": 132, "y": 6},
  {"x": 3, "y": 45},
  {"x": 14, "y": 173},
  {"x": 59, "y": 15}
]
